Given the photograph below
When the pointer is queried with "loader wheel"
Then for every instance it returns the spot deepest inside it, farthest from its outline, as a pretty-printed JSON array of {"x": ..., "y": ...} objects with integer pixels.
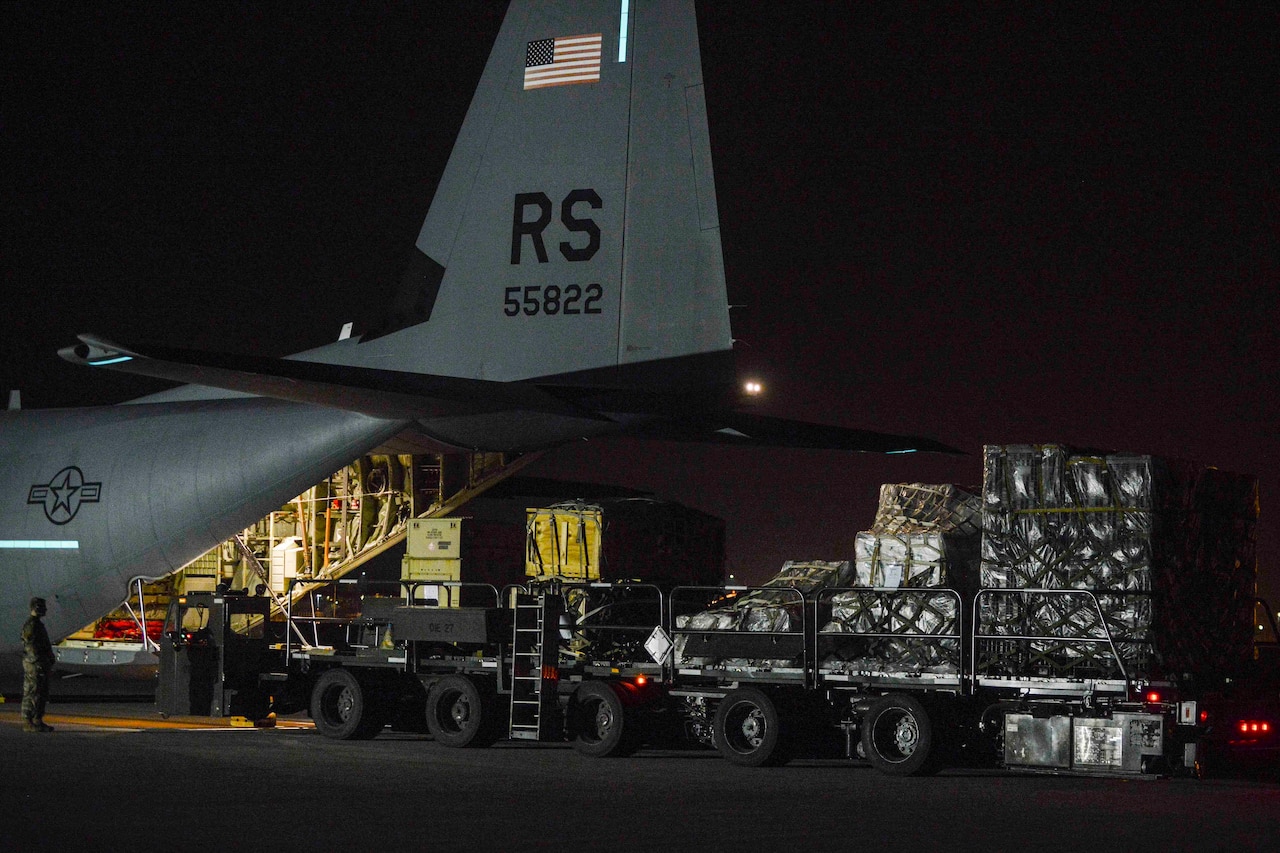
[
  {"x": 343, "y": 708},
  {"x": 460, "y": 714},
  {"x": 897, "y": 736},
  {"x": 601, "y": 725},
  {"x": 746, "y": 729}
]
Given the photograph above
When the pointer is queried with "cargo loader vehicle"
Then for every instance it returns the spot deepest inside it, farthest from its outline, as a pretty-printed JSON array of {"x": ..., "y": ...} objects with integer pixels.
[
  {"x": 606, "y": 667},
  {"x": 540, "y": 662},
  {"x": 1088, "y": 614}
]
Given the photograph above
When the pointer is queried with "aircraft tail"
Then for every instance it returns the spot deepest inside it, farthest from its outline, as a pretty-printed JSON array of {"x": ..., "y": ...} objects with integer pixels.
[{"x": 575, "y": 227}]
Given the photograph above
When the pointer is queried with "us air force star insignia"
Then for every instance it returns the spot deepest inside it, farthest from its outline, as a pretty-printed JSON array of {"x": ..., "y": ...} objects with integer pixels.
[{"x": 64, "y": 494}]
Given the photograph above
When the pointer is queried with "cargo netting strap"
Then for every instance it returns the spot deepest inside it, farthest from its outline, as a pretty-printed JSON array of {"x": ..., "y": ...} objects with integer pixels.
[
  {"x": 926, "y": 508},
  {"x": 915, "y": 560},
  {"x": 804, "y": 576},
  {"x": 532, "y": 553},
  {"x": 778, "y": 611},
  {"x": 924, "y": 625},
  {"x": 582, "y": 538},
  {"x": 1068, "y": 633}
]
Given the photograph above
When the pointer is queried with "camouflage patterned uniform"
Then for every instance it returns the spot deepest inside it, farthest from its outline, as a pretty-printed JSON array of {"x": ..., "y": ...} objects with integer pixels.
[{"x": 37, "y": 661}]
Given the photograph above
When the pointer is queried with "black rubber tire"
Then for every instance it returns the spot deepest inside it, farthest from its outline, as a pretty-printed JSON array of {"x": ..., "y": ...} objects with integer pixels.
[
  {"x": 897, "y": 736},
  {"x": 460, "y": 713},
  {"x": 343, "y": 708},
  {"x": 747, "y": 729},
  {"x": 601, "y": 725}
]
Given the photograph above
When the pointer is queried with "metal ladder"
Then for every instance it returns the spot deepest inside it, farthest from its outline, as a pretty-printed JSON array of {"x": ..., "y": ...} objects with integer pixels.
[
  {"x": 534, "y": 671},
  {"x": 281, "y": 606}
]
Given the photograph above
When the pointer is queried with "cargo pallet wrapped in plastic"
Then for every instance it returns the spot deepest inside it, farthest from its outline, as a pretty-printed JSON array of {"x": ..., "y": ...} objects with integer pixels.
[
  {"x": 927, "y": 508},
  {"x": 920, "y": 567},
  {"x": 774, "y": 608},
  {"x": 1157, "y": 556},
  {"x": 924, "y": 543}
]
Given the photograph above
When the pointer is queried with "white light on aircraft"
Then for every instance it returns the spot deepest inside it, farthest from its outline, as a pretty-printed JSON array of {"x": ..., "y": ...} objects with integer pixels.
[
  {"x": 112, "y": 360},
  {"x": 753, "y": 388},
  {"x": 41, "y": 544},
  {"x": 622, "y": 31},
  {"x": 908, "y": 450}
]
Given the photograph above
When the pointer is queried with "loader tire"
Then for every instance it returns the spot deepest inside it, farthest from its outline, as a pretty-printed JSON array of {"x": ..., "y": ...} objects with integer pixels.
[
  {"x": 747, "y": 729},
  {"x": 898, "y": 737},
  {"x": 601, "y": 725},
  {"x": 345, "y": 709},
  {"x": 461, "y": 713}
]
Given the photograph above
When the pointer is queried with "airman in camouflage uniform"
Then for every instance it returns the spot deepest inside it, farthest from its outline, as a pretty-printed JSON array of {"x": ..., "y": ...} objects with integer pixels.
[{"x": 37, "y": 661}]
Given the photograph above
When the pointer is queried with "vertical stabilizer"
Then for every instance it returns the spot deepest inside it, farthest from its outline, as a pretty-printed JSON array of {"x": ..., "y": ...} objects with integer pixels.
[{"x": 575, "y": 226}]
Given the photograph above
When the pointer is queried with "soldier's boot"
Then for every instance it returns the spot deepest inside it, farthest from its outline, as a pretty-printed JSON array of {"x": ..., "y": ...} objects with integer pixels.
[
  {"x": 44, "y": 727},
  {"x": 31, "y": 726}
]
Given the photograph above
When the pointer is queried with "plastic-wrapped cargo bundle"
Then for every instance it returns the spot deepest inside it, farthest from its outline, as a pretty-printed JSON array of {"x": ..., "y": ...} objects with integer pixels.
[
  {"x": 925, "y": 538},
  {"x": 1053, "y": 520},
  {"x": 927, "y": 508},
  {"x": 924, "y": 535},
  {"x": 806, "y": 576},
  {"x": 775, "y": 608},
  {"x": 1057, "y": 521},
  {"x": 727, "y": 619},
  {"x": 1132, "y": 530},
  {"x": 913, "y": 614},
  {"x": 1204, "y": 569},
  {"x": 911, "y": 560},
  {"x": 1065, "y": 522},
  {"x": 915, "y": 561}
]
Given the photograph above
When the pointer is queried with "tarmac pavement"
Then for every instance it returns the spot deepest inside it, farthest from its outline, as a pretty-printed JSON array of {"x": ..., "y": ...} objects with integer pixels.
[{"x": 117, "y": 774}]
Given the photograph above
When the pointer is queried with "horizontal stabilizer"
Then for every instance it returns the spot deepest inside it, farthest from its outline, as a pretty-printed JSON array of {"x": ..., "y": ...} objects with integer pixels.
[
  {"x": 751, "y": 430},
  {"x": 466, "y": 412},
  {"x": 381, "y": 393}
]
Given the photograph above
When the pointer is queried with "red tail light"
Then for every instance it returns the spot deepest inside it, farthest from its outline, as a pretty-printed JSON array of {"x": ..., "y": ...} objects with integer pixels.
[
  {"x": 641, "y": 681},
  {"x": 1153, "y": 696},
  {"x": 1253, "y": 727}
]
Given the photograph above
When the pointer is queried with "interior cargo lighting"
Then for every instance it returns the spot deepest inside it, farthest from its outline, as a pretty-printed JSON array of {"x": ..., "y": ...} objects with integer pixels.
[
  {"x": 40, "y": 544},
  {"x": 622, "y": 31}
]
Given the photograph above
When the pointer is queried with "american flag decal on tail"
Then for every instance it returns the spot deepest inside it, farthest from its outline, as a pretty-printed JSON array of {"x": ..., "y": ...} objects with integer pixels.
[{"x": 562, "y": 61}]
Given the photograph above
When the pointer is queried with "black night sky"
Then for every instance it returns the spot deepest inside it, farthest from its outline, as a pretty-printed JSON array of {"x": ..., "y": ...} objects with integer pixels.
[{"x": 1027, "y": 224}]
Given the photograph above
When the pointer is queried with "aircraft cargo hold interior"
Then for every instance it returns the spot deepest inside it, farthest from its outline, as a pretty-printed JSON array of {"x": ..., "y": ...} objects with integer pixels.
[
  {"x": 333, "y": 528},
  {"x": 358, "y": 522}
]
